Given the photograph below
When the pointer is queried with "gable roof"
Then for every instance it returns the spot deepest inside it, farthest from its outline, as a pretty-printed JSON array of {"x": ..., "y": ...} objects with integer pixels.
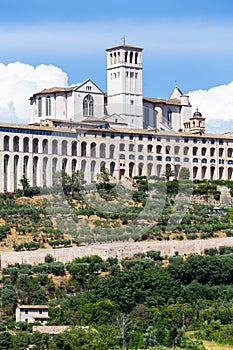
[{"x": 84, "y": 83}]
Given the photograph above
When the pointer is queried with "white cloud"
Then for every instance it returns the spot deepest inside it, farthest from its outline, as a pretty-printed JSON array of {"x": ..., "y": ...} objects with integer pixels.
[
  {"x": 216, "y": 105},
  {"x": 18, "y": 82}
]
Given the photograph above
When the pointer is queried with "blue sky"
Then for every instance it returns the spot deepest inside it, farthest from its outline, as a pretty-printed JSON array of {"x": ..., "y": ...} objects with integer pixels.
[{"x": 188, "y": 43}]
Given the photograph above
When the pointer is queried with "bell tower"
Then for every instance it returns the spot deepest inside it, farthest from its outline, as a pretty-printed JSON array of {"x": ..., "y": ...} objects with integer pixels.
[{"x": 124, "y": 84}]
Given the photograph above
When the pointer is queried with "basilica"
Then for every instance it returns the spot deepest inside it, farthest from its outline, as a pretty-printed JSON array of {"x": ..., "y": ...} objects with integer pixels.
[{"x": 82, "y": 128}]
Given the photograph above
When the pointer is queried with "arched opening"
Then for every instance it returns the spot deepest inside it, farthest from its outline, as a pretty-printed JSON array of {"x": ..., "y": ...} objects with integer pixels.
[
  {"x": 35, "y": 146},
  {"x": 195, "y": 149},
  {"x": 212, "y": 172},
  {"x": 93, "y": 164},
  {"x": 93, "y": 150},
  {"x": 121, "y": 147},
  {"x": 74, "y": 149},
  {"x": 34, "y": 171},
  {"x": 6, "y": 143},
  {"x": 195, "y": 171},
  {"x": 221, "y": 170},
  {"x": 150, "y": 148},
  {"x": 149, "y": 169},
  {"x": 102, "y": 150},
  {"x": 26, "y": 145},
  {"x": 229, "y": 173},
  {"x": 203, "y": 172},
  {"x": 212, "y": 151},
  {"x": 229, "y": 152},
  {"x": 25, "y": 166},
  {"x": 136, "y": 58},
  {"x": 220, "y": 152},
  {"x": 126, "y": 56},
  {"x": 203, "y": 151},
  {"x": 16, "y": 162},
  {"x": 83, "y": 167},
  {"x": 131, "y": 147},
  {"x": 158, "y": 149},
  {"x": 131, "y": 169},
  {"x": 45, "y": 146},
  {"x": 112, "y": 152},
  {"x": 140, "y": 169},
  {"x": 140, "y": 148},
  {"x": 16, "y": 144},
  {"x": 186, "y": 150},
  {"x": 73, "y": 165},
  {"x": 64, "y": 164},
  {"x": 6, "y": 163},
  {"x": 54, "y": 170},
  {"x": 54, "y": 147},
  {"x": 83, "y": 149},
  {"x": 176, "y": 150},
  {"x": 64, "y": 148},
  {"x": 112, "y": 168},
  {"x": 44, "y": 171},
  {"x": 122, "y": 173},
  {"x": 158, "y": 169}
]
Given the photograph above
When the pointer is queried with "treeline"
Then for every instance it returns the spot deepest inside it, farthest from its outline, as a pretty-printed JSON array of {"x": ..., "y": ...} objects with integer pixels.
[{"x": 143, "y": 302}]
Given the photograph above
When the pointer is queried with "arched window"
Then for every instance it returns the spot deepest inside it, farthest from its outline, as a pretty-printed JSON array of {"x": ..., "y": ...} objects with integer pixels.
[
  {"x": 131, "y": 147},
  {"x": 35, "y": 146},
  {"x": 64, "y": 148},
  {"x": 195, "y": 160},
  {"x": 204, "y": 160},
  {"x": 26, "y": 144},
  {"x": 74, "y": 148},
  {"x": 48, "y": 106},
  {"x": 6, "y": 142},
  {"x": 122, "y": 147},
  {"x": 88, "y": 106},
  {"x": 45, "y": 146},
  {"x": 168, "y": 159},
  {"x": 54, "y": 146},
  {"x": 136, "y": 58},
  {"x": 16, "y": 144}
]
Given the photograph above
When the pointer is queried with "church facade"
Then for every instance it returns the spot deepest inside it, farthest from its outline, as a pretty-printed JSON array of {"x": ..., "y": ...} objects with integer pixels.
[{"x": 82, "y": 128}]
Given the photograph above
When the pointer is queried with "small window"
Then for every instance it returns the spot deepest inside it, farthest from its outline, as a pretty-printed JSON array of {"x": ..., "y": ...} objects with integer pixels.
[
  {"x": 122, "y": 136},
  {"x": 177, "y": 159},
  {"x": 140, "y": 137},
  {"x": 168, "y": 159},
  {"x": 88, "y": 88},
  {"x": 132, "y": 102},
  {"x": 103, "y": 134},
  {"x": 40, "y": 311},
  {"x": 159, "y": 158},
  {"x": 149, "y": 157},
  {"x": 149, "y": 138},
  {"x": 186, "y": 140},
  {"x": 131, "y": 137},
  {"x": 195, "y": 140},
  {"x": 186, "y": 160},
  {"x": 220, "y": 142},
  {"x": 212, "y": 141},
  {"x": 26, "y": 312},
  {"x": 112, "y": 136},
  {"x": 195, "y": 160}
]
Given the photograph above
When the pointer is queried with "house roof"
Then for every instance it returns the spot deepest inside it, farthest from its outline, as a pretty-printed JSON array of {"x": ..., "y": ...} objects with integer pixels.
[
  {"x": 33, "y": 306},
  {"x": 173, "y": 101}
]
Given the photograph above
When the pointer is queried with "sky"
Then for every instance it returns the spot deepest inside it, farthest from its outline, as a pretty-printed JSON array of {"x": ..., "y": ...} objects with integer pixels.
[{"x": 57, "y": 43}]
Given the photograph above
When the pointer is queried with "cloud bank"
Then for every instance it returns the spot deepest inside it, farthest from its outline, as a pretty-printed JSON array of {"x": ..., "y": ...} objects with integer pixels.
[
  {"x": 18, "y": 81},
  {"x": 216, "y": 105}
]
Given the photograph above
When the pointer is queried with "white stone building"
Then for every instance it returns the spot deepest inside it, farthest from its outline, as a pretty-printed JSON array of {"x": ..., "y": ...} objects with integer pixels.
[{"x": 82, "y": 128}]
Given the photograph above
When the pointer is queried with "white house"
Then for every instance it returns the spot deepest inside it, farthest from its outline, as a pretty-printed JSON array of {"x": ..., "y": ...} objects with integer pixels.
[{"x": 32, "y": 313}]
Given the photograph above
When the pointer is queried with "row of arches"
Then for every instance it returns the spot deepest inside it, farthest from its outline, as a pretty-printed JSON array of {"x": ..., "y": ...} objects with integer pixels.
[{"x": 35, "y": 145}]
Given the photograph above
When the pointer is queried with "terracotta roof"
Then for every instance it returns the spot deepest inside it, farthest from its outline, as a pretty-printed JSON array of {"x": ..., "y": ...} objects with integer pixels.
[
  {"x": 173, "y": 101},
  {"x": 55, "y": 89}
]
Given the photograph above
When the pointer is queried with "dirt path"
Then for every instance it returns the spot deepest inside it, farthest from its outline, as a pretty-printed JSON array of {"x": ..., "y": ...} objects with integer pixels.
[{"x": 115, "y": 249}]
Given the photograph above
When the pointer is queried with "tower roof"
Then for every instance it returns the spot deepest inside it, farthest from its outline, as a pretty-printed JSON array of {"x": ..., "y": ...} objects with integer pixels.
[{"x": 124, "y": 46}]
